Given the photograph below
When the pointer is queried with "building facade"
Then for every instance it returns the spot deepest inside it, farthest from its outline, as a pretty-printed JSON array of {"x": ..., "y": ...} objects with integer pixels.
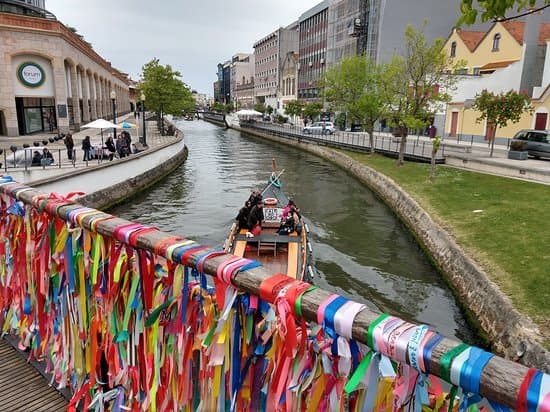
[
  {"x": 242, "y": 80},
  {"x": 50, "y": 78},
  {"x": 269, "y": 54},
  {"x": 313, "y": 28},
  {"x": 289, "y": 80}
]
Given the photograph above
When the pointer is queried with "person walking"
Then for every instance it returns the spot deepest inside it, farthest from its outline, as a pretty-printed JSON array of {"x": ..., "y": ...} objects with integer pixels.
[
  {"x": 121, "y": 147},
  {"x": 87, "y": 148},
  {"x": 69, "y": 144}
]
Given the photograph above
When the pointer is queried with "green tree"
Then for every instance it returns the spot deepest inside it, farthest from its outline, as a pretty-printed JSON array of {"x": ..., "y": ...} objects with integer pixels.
[
  {"x": 312, "y": 110},
  {"x": 417, "y": 84},
  {"x": 163, "y": 85},
  {"x": 294, "y": 108},
  {"x": 218, "y": 107},
  {"x": 355, "y": 87},
  {"x": 494, "y": 9},
  {"x": 269, "y": 109},
  {"x": 499, "y": 109},
  {"x": 260, "y": 107}
]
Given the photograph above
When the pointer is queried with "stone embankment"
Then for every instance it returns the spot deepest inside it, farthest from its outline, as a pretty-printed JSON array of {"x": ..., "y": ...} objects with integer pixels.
[{"x": 510, "y": 333}]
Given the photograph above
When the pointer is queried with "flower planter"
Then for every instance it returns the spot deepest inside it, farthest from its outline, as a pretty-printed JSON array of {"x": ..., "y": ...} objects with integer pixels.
[{"x": 517, "y": 155}]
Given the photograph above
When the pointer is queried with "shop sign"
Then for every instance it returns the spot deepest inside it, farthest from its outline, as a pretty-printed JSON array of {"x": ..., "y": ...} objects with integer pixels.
[{"x": 31, "y": 74}]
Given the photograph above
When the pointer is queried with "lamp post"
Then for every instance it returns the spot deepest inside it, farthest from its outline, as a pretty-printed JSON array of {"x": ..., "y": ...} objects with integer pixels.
[
  {"x": 161, "y": 118},
  {"x": 144, "y": 138},
  {"x": 113, "y": 100}
]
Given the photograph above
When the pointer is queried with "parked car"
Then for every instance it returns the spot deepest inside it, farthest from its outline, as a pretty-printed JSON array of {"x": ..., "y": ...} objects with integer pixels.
[
  {"x": 320, "y": 128},
  {"x": 535, "y": 142}
]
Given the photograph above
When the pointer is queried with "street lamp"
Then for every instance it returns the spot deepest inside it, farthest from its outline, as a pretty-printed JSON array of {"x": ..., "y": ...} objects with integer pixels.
[
  {"x": 113, "y": 100},
  {"x": 161, "y": 118},
  {"x": 143, "y": 115}
]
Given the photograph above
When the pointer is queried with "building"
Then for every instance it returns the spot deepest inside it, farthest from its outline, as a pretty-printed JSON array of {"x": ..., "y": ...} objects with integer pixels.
[
  {"x": 375, "y": 27},
  {"x": 511, "y": 55},
  {"x": 50, "y": 77},
  {"x": 289, "y": 80},
  {"x": 222, "y": 87},
  {"x": 35, "y": 3},
  {"x": 313, "y": 28},
  {"x": 242, "y": 80},
  {"x": 269, "y": 54}
]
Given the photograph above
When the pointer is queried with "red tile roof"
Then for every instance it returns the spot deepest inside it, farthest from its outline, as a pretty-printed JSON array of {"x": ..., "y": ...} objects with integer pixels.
[
  {"x": 471, "y": 38},
  {"x": 517, "y": 28},
  {"x": 497, "y": 65}
]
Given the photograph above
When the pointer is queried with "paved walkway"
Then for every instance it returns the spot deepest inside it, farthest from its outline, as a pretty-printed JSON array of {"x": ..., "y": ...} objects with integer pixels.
[{"x": 61, "y": 160}]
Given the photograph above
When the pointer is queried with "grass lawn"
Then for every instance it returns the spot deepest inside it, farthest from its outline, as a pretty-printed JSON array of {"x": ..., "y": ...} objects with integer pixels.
[{"x": 509, "y": 236}]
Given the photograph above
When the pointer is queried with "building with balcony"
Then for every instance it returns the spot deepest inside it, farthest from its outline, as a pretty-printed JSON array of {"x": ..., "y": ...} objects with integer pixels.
[
  {"x": 269, "y": 54},
  {"x": 242, "y": 80},
  {"x": 50, "y": 77},
  {"x": 289, "y": 80},
  {"x": 313, "y": 28}
]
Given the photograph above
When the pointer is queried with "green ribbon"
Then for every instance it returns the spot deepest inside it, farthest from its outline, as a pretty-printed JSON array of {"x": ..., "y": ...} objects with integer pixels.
[
  {"x": 372, "y": 326},
  {"x": 452, "y": 397},
  {"x": 123, "y": 334},
  {"x": 298, "y": 303},
  {"x": 355, "y": 379},
  {"x": 153, "y": 317},
  {"x": 447, "y": 360}
]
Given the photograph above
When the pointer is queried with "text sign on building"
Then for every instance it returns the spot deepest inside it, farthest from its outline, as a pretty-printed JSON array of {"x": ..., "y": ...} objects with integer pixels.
[{"x": 31, "y": 74}]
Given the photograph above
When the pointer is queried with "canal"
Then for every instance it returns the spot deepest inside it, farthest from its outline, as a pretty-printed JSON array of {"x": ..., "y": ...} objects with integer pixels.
[{"x": 361, "y": 250}]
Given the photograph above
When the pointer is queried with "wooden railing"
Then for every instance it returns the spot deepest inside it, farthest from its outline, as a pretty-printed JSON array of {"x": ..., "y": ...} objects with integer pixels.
[{"x": 122, "y": 313}]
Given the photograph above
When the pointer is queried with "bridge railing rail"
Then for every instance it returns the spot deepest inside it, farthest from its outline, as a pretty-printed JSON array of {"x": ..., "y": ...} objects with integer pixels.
[{"x": 123, "y": 314}]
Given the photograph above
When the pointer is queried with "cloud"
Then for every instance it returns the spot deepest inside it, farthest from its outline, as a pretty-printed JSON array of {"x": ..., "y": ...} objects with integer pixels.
[{"x": 192, "y": 36}]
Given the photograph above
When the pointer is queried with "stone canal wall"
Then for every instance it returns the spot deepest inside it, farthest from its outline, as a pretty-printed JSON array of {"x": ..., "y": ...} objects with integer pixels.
[
  {"x": 509, "y": 332},
  {"x": 216, "y": 118}
]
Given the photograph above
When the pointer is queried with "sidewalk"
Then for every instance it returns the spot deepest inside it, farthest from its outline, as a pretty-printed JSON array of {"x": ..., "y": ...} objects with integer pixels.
[{"x": 59, "y": 151}]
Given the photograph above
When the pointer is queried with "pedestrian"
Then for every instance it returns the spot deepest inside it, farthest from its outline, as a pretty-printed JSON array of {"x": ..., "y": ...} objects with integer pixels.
[
  {"x": 110, "y": 144},
  {"x": 47, "y": 157},
  {"x": 51, "y": 120},
  {"x": 69, "y": 144},
  {"x": 128, "y": 140},
  {"x": 36, "y": 158},
  {"x": 121, "y": 147},
  {"x": 87, "y": 148}
]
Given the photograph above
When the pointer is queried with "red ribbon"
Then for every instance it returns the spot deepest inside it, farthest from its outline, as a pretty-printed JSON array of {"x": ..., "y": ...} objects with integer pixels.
[
  {"x": 521, "y": 405},
  {"x": 270, "y": 287}
]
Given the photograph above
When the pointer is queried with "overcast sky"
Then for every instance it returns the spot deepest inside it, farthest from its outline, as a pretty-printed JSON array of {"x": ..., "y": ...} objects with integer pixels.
[{"x": 191, "y": 36}]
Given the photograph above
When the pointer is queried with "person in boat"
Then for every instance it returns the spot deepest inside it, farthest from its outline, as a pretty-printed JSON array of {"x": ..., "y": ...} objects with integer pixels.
[
  {"x": 288, "y": 208},
  {"x": 255, "y": 197},
  {"x": 242, "y": 217},
  {"x": 255, "y": 218}
]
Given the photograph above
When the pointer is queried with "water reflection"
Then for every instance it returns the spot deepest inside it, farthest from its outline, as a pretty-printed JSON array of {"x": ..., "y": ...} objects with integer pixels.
[{"x": 361, "y": 249}]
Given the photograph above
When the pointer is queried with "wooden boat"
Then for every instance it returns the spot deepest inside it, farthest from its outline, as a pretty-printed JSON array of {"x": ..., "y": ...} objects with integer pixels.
[{"x": 288, "y": 254}]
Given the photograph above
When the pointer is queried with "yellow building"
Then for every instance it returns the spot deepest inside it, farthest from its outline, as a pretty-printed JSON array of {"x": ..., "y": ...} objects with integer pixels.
[{"x": 496, "y": 61}]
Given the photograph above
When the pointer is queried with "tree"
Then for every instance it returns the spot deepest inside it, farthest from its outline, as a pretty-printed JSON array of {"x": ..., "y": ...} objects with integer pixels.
[
  {"x": 499, "y": 109},
  {"x": 269, "y": 110},
  {"x": 416, "y": 84},
  {"x": 436, "y": 143},
  {"x": 312, "y": 110},
  {"x": 355, "y": 87},
  {"x": 495, "y": 9},
  {"x": 294, "y": 108},
  {"x": 260, "y": 107},
  {"x": 162, "y": 85},
  {"x": 218, "y": 107}
]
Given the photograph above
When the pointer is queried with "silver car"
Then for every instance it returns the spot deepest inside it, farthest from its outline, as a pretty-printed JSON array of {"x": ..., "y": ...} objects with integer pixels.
[
  {"x": 320, "y": 128},
  {"x": 535, "y": 142}
]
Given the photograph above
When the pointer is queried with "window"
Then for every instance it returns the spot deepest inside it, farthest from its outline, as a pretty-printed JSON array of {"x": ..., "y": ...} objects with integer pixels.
[
  {"x": 453, "y": 49},
  {"x": 476, "y": 71},
  {"x": 496, "y": 42}
]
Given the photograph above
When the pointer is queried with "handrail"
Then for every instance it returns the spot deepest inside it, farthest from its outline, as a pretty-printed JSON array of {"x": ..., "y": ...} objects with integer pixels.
[{"x": 502, "y": 381}]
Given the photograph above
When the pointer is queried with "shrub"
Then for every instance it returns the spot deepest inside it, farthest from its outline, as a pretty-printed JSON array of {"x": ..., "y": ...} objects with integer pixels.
[{"x": 517, "y": 145}]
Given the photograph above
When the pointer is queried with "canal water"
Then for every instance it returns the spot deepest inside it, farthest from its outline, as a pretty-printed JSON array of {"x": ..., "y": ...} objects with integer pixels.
[{"x": 361, "y": 250}]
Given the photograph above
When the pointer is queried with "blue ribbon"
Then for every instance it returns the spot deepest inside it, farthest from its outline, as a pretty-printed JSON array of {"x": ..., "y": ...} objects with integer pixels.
[
  {"x": 184, "y": 295},
  {"x": 251, "y": 265},
  {"x": 178, "y": 252},
  {"x": 330, "y": 312},
  {"x": 533, "y": 392},
  {"x": 70, "y": 262},
  {"x": 427, "y": 351},
  {"x": 16, "y": 209},
  {"x": 470, "y": 374}
]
